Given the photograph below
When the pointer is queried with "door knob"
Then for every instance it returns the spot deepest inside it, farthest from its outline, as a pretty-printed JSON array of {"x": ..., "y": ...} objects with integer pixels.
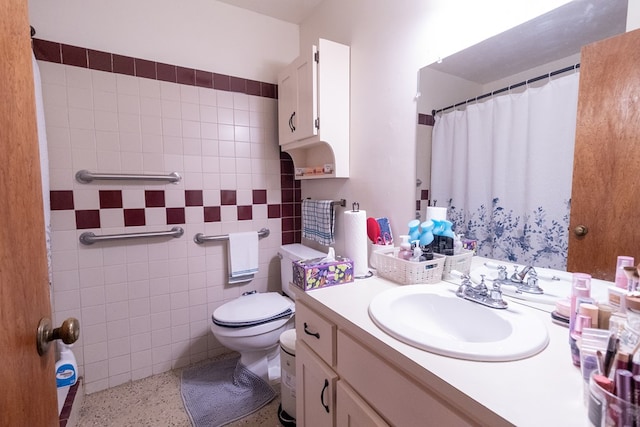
[
  {"x": 581, "y": 230},
  {"x": 68, "y": 332}
]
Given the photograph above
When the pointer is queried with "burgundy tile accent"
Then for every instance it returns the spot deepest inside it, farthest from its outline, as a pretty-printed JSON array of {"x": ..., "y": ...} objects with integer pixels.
[
  {"x": 259, "y": 197},
  {"x": 212, "y": 214},
  {"x": 297, "y": 209},
  {"x": 237, "y": 84},
  {"x": 288, "y": 224},
  {"x": 245, "y": 213},
  {"x": 269, "y": 90},
  {"x": 425, "y": 119},
  {"x": 418, "y": 205},
  {"x": 287, "y": 181},
  {"x": 100, "y": 60},
  {"x": 133, "y": 217},
  {"x": 175, "y": 216},
  {"x": 297, "y": 194},
  {"x": 288, "y": 195},
  {"x": 424, "y": 194},
  {"x": 154, "y": 198},
  {"x": 87, "y": 219},
  {"x": 124, "y": 65},
  {"x": 110, "y": 199},
  {"x": 288, "y": 209},
  {"x": 47, "y": 51},
  {"x": 273, "y": 211},
  {"x": 186, "y": 76},
  {"x": 228, "y": 197},
  {"x": 204, "y": 79},
  {"x": 193, "y": 198},
  {"x": 221, "y": 82},
  {"x": 253, "y": 88},
  {"x": 145, "y": 68},
  {"x": 166, "y": 72},
  {"x": 61, "y": 200},
  {"x": 73, "y": 55},
  {"x": 286, "y": 164},
  {"x": 289, "y": 237}
]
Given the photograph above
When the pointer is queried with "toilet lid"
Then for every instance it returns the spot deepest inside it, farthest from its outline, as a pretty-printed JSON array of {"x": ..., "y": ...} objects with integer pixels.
[{"x": 253, "y": 309}]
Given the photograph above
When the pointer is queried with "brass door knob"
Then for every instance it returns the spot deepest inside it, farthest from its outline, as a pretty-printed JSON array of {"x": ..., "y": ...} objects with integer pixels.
[
  {"x": 581, "y": 230},
  {"x": 68, "y": 332}
]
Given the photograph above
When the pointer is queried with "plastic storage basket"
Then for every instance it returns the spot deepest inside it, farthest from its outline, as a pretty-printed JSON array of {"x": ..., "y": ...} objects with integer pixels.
[
  {"x": 460, "y": 262},
  {"x": 404, "y": 272}
]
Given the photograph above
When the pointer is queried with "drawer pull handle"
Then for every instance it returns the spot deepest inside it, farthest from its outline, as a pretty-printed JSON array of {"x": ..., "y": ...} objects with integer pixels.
[
  {"x": 326, "y": 385},
  {"x": 306, "y": 331}
]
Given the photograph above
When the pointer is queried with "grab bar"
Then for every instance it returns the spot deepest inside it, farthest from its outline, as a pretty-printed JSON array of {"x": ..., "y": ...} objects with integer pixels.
[
  {"x": 85, "y": 177},
  {"x": 89, "y": 238},
  {"x": 201, "y": 238}
]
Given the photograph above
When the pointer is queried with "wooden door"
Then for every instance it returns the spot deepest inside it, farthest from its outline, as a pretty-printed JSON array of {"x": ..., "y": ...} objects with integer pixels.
[
  {"x": 606, "y": 179},
  {"x": 27, "y": 381}
]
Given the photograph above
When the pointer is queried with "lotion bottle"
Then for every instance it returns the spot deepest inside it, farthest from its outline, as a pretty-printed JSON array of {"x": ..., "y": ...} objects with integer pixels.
[
  {"x": 66, "y": 367},
  {"x": 406, "y": 252}
]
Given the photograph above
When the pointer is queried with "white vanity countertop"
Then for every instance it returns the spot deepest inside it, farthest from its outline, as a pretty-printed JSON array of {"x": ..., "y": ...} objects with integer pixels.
[{"x": 542, "y": 390}]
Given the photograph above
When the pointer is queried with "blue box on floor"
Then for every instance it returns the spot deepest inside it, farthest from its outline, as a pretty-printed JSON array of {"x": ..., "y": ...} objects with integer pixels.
[{"x": 316, "y": 273}]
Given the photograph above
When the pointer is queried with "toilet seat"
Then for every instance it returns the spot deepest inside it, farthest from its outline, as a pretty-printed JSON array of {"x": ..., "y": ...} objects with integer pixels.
[{"x": 253, "y": 309}]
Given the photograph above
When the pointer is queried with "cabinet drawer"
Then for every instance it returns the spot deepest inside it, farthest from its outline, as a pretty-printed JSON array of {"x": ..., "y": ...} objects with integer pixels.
[{"x": 317, "y": 332}]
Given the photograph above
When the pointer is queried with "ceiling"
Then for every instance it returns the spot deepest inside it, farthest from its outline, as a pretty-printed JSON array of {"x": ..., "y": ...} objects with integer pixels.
[
  {"x": 554, "y": 35},
  {"x": 293, "y": 11}
]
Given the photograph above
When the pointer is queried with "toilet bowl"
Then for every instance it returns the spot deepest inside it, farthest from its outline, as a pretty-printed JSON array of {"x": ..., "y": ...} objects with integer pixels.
[{"x": 252, "y": 323}]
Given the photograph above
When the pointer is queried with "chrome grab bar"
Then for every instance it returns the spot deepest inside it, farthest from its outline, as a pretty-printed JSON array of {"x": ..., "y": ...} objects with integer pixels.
[
  {"x": 85, "y": 177},
  {"x": 201, "y": 238},
  {"x": 89, "y": 238}
]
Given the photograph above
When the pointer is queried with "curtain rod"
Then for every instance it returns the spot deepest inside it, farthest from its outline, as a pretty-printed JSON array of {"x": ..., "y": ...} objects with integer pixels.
[{"x": 504, "y": 89}]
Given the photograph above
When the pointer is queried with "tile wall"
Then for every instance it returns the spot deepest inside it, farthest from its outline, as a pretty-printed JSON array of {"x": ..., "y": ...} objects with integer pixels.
[{"x": 144, "y": 305}]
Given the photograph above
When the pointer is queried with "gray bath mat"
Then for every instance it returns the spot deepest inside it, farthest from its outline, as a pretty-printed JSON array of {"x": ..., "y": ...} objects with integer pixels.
[{"x": 221, "y": 392}]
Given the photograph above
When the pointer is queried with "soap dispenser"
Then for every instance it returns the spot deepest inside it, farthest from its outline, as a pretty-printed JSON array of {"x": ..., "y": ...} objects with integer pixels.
[
  {"x": 66, "y": 367},
  {"x": 438, "y": 228},
  {"x": 405, "y": 248},
  {"x": 414, "y": 232},
  {"x": 446, "y": 238},
  {"x": 426, "y": 240}
]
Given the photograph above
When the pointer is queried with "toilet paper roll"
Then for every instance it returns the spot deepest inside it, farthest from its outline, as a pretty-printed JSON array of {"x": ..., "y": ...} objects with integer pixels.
[
  {"x": 356, "y": 241},
  {"x": 434, "y": 212}
]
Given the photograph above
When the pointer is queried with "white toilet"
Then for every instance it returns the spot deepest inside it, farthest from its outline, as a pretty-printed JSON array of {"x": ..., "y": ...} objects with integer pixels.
[{"x": 252, "y": 323}]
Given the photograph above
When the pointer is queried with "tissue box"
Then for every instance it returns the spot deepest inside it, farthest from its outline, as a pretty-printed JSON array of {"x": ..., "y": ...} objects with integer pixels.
[{"x": 318, "y": 273}]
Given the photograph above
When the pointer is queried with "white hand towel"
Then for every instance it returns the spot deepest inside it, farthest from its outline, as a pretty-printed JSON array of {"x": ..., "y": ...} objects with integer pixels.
[{"x": 243, "y": 256}]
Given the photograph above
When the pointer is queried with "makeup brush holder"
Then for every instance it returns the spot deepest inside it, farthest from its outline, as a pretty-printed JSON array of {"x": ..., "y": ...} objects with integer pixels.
[{"x": 606, "y": 409}]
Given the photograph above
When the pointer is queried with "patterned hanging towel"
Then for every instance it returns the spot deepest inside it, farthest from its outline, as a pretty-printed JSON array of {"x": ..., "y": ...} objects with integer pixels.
[{"x": 318, "y": 221}]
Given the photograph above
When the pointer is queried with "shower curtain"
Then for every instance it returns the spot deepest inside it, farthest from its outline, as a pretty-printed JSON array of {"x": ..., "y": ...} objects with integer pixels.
[{"x": 504, "y": 167}]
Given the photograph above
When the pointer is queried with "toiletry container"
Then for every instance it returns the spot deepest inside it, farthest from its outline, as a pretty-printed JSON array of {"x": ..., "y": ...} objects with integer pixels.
[
  {"x": 287, "y": 410},
  {"x": 438, "y": 228},
  {"x": 426, "y": 241},
  {"x": 66, "y": 366},
  {"x": 414, "y": 231},
  {"x": 445, "y": 242},
  {"x": 621, "y": 279},
  {"x": 405, "y": 248}
]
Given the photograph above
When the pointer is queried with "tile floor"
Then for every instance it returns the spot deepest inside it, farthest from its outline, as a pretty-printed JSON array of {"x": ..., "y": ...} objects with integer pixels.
[{"x": 156, "y": 401}]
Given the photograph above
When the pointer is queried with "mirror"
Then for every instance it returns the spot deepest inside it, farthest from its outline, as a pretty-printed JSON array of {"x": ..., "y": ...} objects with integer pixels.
[{"x": 547, "y": 43}]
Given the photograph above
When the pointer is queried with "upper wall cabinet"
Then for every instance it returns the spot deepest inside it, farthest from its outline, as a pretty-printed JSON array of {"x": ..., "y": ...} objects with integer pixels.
[{"x": 313, "y": 111}]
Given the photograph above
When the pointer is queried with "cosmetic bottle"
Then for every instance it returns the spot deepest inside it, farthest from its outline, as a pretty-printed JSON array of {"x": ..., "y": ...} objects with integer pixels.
[
  {"x": 457, "y": 244},
  {"x": 414, "y": 231},
  {"x": 621, "y": 278},
  {"x": 438, "y": 228},
  {"x": 580, "y": 288},
  {"x": 426, "y": 240},
  {"x": 446, "y": 238},
  {"x": 66, "y": 367},
  {"x": 405, "y": 248}
]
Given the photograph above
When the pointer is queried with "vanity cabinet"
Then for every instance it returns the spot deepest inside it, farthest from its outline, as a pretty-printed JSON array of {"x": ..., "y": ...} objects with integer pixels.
[{"x": 313, "y": 111}]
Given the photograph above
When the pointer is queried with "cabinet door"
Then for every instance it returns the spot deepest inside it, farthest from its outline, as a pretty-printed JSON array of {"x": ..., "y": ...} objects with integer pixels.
[
  {"x": 307, "y": 113},
  {"x": 287, "y": 104},
  {"x": 315, "y": 389},
  {"x": 606, "y": 188},
  {"x": 352, "y": 411}
]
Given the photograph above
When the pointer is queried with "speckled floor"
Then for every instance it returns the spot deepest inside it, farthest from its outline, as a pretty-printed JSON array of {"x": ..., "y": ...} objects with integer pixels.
[{"x": 155, "y": 401}]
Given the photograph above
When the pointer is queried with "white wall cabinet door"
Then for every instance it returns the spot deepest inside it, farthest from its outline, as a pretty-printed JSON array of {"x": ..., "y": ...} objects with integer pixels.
[{"x": 315, "y": 389}]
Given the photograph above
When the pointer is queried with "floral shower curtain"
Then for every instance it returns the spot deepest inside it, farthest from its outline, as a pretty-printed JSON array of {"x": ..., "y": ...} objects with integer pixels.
[{"x": 504, "y": 167}]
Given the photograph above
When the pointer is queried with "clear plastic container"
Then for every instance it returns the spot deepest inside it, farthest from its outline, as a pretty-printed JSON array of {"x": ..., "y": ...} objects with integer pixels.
[{"x": 605, "y": 409}]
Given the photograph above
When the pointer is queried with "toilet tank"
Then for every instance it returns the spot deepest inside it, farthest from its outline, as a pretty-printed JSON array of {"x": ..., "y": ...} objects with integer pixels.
[{"x": 290, "y": 253}]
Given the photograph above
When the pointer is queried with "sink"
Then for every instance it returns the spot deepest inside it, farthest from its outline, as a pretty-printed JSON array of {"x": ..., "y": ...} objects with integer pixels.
[{"x": 434, "y": 319}]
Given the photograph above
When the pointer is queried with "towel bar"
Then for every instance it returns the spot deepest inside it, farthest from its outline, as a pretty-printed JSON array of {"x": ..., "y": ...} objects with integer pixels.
[
  {"x": 89, "y": 238},
  {"x": 201, "y": 238},
  {"x": 85, "y": 177}
]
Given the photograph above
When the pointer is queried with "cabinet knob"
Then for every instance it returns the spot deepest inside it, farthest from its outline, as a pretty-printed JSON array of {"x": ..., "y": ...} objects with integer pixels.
[{"x": 581, "y": 230}]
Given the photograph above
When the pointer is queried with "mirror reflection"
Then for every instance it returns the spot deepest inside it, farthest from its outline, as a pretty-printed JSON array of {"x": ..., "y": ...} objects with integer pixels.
[{"x": 501, "y": 159}]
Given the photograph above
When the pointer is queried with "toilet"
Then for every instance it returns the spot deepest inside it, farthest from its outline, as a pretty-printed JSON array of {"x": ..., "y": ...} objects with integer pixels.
[{"x": 252, "y": 323}]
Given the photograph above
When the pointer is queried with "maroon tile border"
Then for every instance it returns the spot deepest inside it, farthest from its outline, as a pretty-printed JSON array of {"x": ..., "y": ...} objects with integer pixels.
[
  {"x": 212, "y": 214},
  {"x": 175, "y": 216},
  {"x": 193, "y": 198},
  {"x": 134, "y": 217},
  {"x": 46, "y": 50},
  {"x": 61, "y": 200},
  {"x": 110, "y": 199},
  {"x": 154, "y": 199}
]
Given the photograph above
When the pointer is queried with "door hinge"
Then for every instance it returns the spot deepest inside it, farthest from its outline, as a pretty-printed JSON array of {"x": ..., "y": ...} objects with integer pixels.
[
  {"x": 316, "y": 56},
  {"x": 318, "y": 123}
]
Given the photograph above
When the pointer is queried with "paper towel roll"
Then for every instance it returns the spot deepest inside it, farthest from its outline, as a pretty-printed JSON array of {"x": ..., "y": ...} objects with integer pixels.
[
  {"x": 356, "y": 241},
  {"x": 434, "y": 212}
]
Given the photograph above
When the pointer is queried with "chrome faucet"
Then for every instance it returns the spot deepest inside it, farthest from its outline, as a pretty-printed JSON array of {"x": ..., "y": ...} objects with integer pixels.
[
  {"x": 517, "y": 279},
  {"x": 480, "y": 293}
]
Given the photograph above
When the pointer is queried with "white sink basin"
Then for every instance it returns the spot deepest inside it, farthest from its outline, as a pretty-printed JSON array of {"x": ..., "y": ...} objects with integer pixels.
[{"x": 433, "y": 318}]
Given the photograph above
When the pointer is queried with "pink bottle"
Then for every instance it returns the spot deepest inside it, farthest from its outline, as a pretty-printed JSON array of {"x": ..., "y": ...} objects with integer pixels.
[{"x": 621, "y": 278}]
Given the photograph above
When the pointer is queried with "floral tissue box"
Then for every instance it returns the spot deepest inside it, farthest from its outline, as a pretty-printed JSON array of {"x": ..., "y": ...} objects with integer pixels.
[{"x": 318, "y": 273}]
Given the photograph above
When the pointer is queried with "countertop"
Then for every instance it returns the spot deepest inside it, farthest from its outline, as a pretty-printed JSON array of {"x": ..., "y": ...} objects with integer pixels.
[{"x": 541, "y": 390}]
